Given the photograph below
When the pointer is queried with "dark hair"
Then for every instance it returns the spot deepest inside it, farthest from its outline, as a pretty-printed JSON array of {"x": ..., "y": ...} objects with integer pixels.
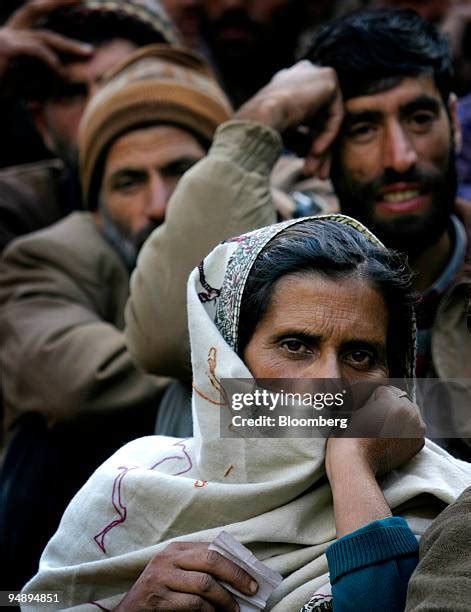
[
  {"x": 99, "y": 27},
  {"x": 334, "y": 250},
  {"x": 36, "y": 81},
  {"x": 371, "y": 50}
]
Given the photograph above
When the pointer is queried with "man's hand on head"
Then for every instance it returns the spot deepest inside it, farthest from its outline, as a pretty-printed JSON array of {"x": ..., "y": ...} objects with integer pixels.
[
  {"x": 19, "y": 38},
  {"x": 304, "y": 98},
  {"x": 185, "y": 576}
]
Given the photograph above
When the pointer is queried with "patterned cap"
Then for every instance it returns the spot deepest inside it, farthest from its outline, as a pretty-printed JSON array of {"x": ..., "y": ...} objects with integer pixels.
[{"x": 148, "y": 14}]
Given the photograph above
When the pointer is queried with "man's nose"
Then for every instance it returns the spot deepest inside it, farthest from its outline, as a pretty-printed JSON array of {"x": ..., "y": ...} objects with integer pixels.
[
  {"x": 157, "y": 198},
  {"x": 327, "y": 366},
  {"x": 399, "y": 153}
]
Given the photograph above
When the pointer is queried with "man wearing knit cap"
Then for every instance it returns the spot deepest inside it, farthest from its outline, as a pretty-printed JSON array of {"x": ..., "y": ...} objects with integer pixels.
[
  {"x": 52, "y": 55},
  {"x": 71, "y": 391}
]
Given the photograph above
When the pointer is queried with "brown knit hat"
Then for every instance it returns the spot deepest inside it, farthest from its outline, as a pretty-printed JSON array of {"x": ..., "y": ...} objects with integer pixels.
[{"x": 156, "y": 84}]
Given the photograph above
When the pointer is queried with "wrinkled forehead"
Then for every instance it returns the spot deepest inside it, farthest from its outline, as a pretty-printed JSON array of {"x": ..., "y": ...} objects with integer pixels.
[
  {"x": 400, "y": 96},
  {"x": 244, "y": 251},
  {"x": 425, "y": 80}
]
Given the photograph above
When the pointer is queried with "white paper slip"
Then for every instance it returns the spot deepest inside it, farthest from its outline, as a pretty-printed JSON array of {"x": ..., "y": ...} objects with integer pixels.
[{"x": 267, "y": 579}]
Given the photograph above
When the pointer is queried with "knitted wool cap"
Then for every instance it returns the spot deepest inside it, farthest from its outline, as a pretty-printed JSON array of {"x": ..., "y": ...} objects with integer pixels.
[
  {"x": 149, "y": 15},
  {"x": 158, "y": 84}
]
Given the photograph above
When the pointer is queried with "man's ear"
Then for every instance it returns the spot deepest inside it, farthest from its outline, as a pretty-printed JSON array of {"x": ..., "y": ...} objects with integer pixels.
[
  {"x": 455, "y": 124},
  {"x": 38, "y": 115}
]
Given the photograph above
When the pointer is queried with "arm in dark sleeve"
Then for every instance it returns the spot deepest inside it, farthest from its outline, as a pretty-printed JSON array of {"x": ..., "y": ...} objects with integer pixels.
[
  {"x": 62, "y": 354},
  {"x": 370, "y": 567}
]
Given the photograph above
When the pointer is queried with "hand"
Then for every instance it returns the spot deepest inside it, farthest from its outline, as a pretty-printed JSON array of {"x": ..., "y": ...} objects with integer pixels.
[
  {"x": 393, "y": 414},
  {"x": 296, "y": 98},
  {"x": 184, "y": 577},
  {"x": 352, "y": 464},
  {"x": 18, "y": 38}
]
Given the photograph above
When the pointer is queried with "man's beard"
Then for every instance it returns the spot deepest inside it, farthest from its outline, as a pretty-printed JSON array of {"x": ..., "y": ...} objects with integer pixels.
[
  {"x": 65, "y": 151},
  {"x": 410, "y": 233},
  {"x": 125, "y": 244}
]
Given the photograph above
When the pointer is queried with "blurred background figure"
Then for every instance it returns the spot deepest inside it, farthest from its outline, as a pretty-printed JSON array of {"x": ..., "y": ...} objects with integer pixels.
[
  {"x": 434, "y": 10},
  {"x": 53, "y": 53},
  {"x": 186, "y": 16},
  {"x": 66, "y": 286},
  {"x": 249, "y": 40},
  {"x": 40, "y": 47}
]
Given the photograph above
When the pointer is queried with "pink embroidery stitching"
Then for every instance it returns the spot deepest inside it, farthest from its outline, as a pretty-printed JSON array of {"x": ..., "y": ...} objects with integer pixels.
[
  {"x": 117, "y": 505},
  {"x": 120, "y": 509},
  {"x": 213, "y": 379},
  {"x": 95, "y": 603}
]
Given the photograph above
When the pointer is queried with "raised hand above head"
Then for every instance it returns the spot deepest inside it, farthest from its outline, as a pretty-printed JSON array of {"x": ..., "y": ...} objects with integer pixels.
[
  {"x": 19, "y": 37},
  {"x": 304, "y": 102}
]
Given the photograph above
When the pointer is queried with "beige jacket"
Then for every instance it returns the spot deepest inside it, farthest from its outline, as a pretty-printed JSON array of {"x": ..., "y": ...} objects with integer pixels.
[
  {"x": 34, "y": 196},
  {"x": 63, "y": 290},
  {"x": 62, "y": 297}
]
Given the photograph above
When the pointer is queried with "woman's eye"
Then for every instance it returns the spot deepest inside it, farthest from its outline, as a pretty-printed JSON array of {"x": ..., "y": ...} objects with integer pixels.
[
  {"x": 363, "y": 359},
  {"x": 294, "y": 346}
]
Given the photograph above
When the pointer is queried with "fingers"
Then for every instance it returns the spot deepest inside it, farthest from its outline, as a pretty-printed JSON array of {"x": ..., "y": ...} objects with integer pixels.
[
  {"x": 18, "y": 38},
  {"x": 62, "y": 44},
  {"x": 42, "y": 45},
  {"x": 172, "y": 601},
  {"x": 302, "y": 95},
  {"x": 184, "y": 576},
  {"x": 200, "y": 558},
  {"x": 318, "y": 159},
  {"x": 332, "y": 125},
  {"x": 205, "y": 587},
  {"x": 402, "y": 417},
  {"x": 318, "y": 165},
  {"x": 31, "y": 47},
  {"x": 28, "y": 15}
]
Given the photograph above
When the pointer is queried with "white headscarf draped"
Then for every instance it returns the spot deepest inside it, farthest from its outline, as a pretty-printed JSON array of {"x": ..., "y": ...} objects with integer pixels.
[{"x": 270, "y": 494}]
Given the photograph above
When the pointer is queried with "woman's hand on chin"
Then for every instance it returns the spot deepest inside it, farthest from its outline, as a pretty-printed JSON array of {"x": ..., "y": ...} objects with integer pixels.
[{"x": 352, "y": 464}]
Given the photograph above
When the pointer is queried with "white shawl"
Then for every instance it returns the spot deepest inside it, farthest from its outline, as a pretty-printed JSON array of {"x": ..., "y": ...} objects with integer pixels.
[{"x": 270, "y": 494}]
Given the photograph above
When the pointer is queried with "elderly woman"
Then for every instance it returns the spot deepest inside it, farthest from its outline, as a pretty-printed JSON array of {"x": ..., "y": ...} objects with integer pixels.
[{"x": 312, "y": 298}]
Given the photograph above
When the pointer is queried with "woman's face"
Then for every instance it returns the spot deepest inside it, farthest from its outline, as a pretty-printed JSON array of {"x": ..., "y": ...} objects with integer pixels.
[{"x": 317, "y": 327}]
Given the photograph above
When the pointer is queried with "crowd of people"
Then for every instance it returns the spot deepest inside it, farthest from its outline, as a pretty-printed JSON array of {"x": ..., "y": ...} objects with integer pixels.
[{"x": 201, "y": 191}]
